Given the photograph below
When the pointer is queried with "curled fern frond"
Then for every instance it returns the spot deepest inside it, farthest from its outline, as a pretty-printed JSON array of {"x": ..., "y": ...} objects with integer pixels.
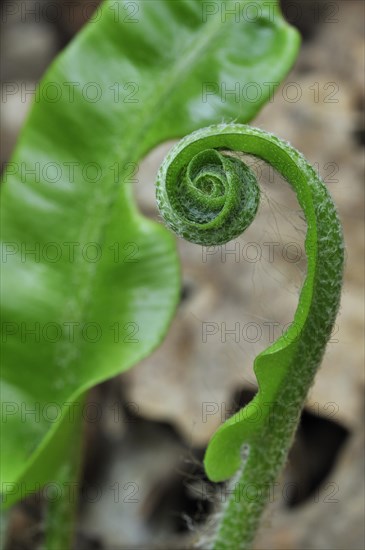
[{"x": 209, "y": 197}]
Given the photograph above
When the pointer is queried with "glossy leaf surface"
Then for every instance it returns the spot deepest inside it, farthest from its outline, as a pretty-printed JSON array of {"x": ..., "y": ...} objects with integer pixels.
[{"x": 89, "y": 285}]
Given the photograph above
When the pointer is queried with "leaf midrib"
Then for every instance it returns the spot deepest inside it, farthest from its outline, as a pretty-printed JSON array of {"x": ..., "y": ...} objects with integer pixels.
[{"x": 85, "y": 272}]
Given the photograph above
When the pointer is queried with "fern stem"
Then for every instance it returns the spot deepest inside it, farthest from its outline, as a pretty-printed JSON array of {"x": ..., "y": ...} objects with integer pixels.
[
  {"x": 61, "y": 514},
  {"x": 209, "y": 197}
]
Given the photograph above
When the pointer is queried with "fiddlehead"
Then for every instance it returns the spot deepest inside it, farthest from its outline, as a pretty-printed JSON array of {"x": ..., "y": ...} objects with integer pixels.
[{"x": 209, "y": 198}]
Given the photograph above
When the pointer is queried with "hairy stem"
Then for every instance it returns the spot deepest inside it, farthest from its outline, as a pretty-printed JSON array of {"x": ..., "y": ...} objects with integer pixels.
[{"x": 208, "y": 197}]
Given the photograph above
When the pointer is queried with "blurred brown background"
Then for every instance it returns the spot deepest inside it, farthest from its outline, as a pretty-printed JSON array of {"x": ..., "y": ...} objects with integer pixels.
[{"x": 143, "y": 479}]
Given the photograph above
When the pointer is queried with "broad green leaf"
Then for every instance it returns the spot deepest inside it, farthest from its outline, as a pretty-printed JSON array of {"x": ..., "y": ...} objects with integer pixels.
[{"x": 101, "y": 285}]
